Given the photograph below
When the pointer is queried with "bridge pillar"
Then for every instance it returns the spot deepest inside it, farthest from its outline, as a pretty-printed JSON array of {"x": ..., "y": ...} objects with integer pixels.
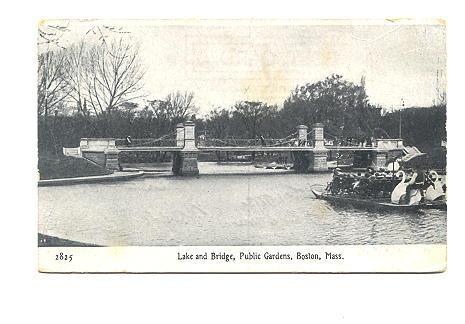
[
  {"x": 318, "y": 158},
  {"x": 112, "y": 159},
  {"x": 302, "y": 131},
  {"x": 318, "y": 161},
  {"x": 301, "y": 158},
  {"x": 102, "y": 151},
  {"x": 180, "y": 135},
  {"x": 318, "y": 136},
  {"x": 379, "y": 160},
  {"x": 189, "y": 136},
  {"x": 185, "y": 162}
]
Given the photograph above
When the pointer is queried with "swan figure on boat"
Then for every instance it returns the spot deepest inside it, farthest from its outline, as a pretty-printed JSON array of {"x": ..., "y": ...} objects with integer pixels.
[
  {"x": 399, "y": 194},
  {"x": 435, "y": 191},
  {"x": 400, "y": 190}
]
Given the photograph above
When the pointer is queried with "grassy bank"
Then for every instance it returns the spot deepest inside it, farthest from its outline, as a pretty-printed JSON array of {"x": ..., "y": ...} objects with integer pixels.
[{"x": 58, "y": 167}]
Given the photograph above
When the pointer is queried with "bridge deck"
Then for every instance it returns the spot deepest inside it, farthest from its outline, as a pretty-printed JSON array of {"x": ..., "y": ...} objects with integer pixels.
[
  {"x": 245, "y": 148},
  {"x": 149, "y": 148},
  {"x": 281, "y": 148},
  {"x": 254, "y": 148}
]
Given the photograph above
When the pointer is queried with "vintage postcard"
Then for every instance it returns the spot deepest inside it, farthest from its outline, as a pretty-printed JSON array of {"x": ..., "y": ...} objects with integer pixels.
[{"x": 242, "y": 146}]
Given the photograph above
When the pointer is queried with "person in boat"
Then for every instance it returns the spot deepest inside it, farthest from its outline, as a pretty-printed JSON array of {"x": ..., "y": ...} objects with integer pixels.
[
  {"x": 356, "y": 188},
  {"x": 384, "y": 183},
  {"x": 362, "y": 183},
  {"x": 370, "y": 182},
  {"x": 348, "y": 183},
  {"x": 381, "y": 187},
  {"x": 378, "y": 184},
  {"x": 342, "y": 183},
  {"x": 335, "y": 186},
  {"x": 365, "y": 185},
  {"x": 418, "y": 182}
]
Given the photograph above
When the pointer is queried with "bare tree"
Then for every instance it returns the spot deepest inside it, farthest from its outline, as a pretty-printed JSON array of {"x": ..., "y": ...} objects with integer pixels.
[
  {"x": 51, "y": 86},
  {"x": 180, "y": 105},
  {"x": 159, "y": 108},
  {"x": 74, "y": 73},
  {"x": 113, "y": 75},
  {"x": 176, "y": 107},
  {"x": 50, "y": 35}
]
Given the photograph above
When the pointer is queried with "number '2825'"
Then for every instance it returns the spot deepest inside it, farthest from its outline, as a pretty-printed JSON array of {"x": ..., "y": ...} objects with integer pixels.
[{"x": 63, "y": 257}]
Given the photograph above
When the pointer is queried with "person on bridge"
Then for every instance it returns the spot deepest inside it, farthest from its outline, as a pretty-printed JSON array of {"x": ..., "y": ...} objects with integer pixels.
[
  {"x": 262, "y": 140},
  {"x": 128, "y": 140}
]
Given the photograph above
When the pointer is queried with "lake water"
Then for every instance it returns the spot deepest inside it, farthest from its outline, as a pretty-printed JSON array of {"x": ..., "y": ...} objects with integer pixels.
[{"x": 223, "y": 208}]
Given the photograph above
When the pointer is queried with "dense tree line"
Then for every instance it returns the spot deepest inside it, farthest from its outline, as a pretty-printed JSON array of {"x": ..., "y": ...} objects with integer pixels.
[
  {"x": 422, "y": 127},
  {"x": 341, "y": 106}
]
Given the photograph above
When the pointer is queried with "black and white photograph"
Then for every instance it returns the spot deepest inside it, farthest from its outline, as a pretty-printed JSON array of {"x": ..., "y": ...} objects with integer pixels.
[{"x": 242, "y": 145}]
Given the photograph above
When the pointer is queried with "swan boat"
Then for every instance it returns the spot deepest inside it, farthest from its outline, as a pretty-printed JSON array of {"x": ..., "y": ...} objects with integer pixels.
[
  {"x": 434, "y": 197},
  {"x": 362, "y": 202},
  {"x": 380, "y": 203}
]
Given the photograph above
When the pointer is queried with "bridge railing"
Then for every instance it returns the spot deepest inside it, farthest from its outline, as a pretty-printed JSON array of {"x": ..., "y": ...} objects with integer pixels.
[
  {"x": 245, "y": 142},
  {"x": 374, "y": 143},
  {"x": 163, "y": 141},
  {"x": 344, "y": 141},
  {"x": 348, "y": 143},
  {"x": 146, "y": 142}
]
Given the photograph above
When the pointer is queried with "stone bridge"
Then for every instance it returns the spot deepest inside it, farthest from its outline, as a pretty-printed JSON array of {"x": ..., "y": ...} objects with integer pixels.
[{"x": 309, "y": 150}]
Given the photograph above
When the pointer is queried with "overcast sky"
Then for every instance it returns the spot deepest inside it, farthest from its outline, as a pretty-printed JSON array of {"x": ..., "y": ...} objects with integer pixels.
[{"x": 224, "y": 62}]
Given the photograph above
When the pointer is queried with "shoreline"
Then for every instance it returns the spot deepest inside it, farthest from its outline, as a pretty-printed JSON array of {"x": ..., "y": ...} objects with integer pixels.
[{"x": 116, "y": 176}]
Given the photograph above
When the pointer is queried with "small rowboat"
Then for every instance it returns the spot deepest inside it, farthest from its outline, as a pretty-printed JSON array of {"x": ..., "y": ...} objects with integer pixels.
[{"x": 366, "y": 203}]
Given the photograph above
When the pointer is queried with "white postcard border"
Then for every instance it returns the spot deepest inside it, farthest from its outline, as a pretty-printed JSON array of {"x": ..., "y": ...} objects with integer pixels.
[{"x": 421, "y": 258}]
